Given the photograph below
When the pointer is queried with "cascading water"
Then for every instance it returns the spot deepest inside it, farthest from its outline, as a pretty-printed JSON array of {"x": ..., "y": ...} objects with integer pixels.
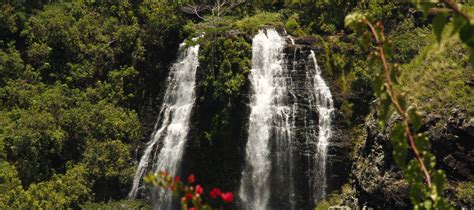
[
  {"x": 324, "y": 104},
  {"x": 172, "y": 125},
  {"x": 268, "y": 179},
  {"x": 270, "y": 125}
]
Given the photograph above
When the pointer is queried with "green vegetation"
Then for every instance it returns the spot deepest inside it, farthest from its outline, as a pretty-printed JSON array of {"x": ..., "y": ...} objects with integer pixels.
[
  {"x": 261, "y": 19},
  {"x": 426, "y": 182},
  {"x": 465, "y": 193},
  {"x": 437, "y": 80},
  {"x": 62, "y": 190},
  {"x": 224, "y": 63},
  {"x": 121, "y": 205},
  {"x": 74, "y": 76},
  {"x": 333, "y": 199}
]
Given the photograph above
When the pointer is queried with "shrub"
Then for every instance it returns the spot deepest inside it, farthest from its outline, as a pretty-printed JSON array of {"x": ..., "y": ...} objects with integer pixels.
[{"x": 465, "y": 193}]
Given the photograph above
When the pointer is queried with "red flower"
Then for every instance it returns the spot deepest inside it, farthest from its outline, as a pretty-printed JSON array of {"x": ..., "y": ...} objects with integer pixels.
[
  {"x": 177, "y": 179},
  {"x": 191, "y": 178},
  {"x": 189, "y": 196},
  {"x": 172, "y": 187},
  {"x": 216, "y": 192},
  {"x": 227, "y": 197},
  {"x": 199, "y": 189},
  {"x": 192, "y": 208}
]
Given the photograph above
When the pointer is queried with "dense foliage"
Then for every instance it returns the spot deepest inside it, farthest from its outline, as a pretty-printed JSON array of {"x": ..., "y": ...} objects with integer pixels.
[{"x": 74, "y": 76}]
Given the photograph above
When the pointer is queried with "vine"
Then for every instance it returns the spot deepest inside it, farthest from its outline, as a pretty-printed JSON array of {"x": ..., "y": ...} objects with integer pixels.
[{"x": 426, "y": 183}]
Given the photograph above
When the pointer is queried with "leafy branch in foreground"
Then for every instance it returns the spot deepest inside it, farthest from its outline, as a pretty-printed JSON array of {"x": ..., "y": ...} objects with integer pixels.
[
  {"x": 426, "y": 183},
  {"x": 463, "y": 23}
]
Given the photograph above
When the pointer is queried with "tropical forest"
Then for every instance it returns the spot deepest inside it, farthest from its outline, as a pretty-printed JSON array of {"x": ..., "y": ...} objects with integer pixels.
[{"x": 237, "y": 104}]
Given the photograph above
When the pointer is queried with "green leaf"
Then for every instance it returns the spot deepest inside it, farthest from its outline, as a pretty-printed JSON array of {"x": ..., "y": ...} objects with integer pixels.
[
  {"x": 384, "y": 108},
  {"x": 458, "y": 23},
  {"x": 413, "y": 171},
  {"x": 415, "y": 119},
  {"x": 378, "y": 85},
  {"x": 439, "y": 22},
  {"x": 471, "y": 58},
  {"x": 393, "y": 76},
  {"x": 467, "y": 35},
  {"x": 400, "y": 146},
  {"x": 372, "y": 59},
  {"x": 366, "y": 42},
  {"x": 355, "y": 20},
  {"x": 428, "y": 204},
  {"x": 415, "y": 178},
  {"x": 429, "y": 160},
  {"x": 421, "y": 141},
  {"x": 426, "y": 5},
  {"x": 402, "y": 101},
  {"x": 439, "y": 178}
]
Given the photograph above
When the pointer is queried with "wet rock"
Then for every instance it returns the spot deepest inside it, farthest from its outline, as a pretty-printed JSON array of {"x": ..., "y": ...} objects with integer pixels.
[
  {"x": 452, "y": 142},
  {"x": 377, "y": 180},
  {"x": 307, "y": 40}
]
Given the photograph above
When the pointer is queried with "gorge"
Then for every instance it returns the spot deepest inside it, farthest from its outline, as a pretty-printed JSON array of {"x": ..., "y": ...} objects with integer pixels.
[
  {"x": 270, "y": 166},
  {"x": 236, "y": 104}
]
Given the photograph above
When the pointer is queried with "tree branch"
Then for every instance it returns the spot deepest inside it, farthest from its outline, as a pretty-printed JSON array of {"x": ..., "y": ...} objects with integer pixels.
[
  {"x": 195, "y": 10},
  {"x": 450, "y": 4},
  {"x": 396, "y": 103}
]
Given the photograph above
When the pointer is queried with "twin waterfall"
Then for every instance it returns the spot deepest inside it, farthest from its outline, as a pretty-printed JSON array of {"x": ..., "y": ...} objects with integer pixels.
[
  {"x": 272, "y": 174},
  {"x": 268, "y": 177},
  {"x": 172, "y": 126}
]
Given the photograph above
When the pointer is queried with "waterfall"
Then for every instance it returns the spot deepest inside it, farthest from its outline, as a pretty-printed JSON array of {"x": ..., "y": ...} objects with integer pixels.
[
  {"x": 269, "y": 123},
  {"x": 172, "y": 126},
  {"x": 324, "y": 104}
]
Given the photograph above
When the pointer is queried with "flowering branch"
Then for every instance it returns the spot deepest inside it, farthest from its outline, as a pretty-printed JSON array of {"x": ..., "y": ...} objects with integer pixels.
[{"x": 192, "y": 197}]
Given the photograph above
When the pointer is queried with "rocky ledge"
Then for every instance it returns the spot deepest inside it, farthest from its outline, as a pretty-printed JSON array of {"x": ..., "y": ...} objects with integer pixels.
[{"x": 377, "y": 182}]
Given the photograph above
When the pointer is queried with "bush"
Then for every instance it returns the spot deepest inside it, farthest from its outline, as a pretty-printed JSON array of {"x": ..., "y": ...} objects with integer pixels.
[
  {"x": 465, "y": 193},
  {"x": 68, "y": 190},
  {"x": 332, "y": 200},
  {"x": 251, "y": 24},
  {"x": 225, "y": 61},
  {"x": 120, "y": 205},
  {"x": 13, "y": 195},
  {"x": 111, "y": 167},
  {"x": 292, "y": 26}
]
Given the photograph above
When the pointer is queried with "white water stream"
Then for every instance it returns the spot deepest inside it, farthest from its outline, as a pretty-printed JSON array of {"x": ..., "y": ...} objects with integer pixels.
[
  {"x": 269, "y": 117},
  {"x": 172, "y": 125},
  {"x": 323, "y": 100}
]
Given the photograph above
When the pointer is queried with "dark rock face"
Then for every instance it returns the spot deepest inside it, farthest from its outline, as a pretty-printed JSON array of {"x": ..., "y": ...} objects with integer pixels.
[
  {"x": 453, "y": 143},
  {"x": 306, "y": 124},
  {"x": 217, "y": 163},
  {"x": 305, "y": 119},
  {"x": 379, "y": 182},
  {"x": 220, "y": 163}
]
